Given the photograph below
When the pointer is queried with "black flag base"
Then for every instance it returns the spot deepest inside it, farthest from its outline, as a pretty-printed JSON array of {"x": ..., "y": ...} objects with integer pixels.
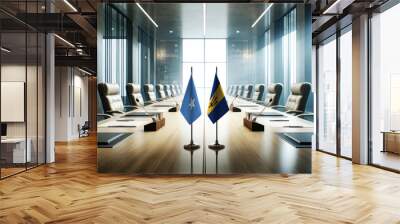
[
  {"x": 216, "y": 146},
  {"x": 191, "y": 146}
]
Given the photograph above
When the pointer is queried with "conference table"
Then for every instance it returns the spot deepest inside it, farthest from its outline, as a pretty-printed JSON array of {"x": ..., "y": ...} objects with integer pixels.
[{"x": 162, "y": 152}]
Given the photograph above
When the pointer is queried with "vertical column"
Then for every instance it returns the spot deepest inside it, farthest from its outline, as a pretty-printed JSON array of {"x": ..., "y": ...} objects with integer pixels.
[
  {"x": 360, "y": 90},
  {"x": 50, "y": 98}
]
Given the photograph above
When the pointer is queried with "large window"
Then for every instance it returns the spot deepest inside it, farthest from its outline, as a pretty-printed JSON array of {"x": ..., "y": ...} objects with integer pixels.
[
  {"x": 268, "y": 58},
  {"x": 116, "y": 52},
  {"x": 346, "y": 93},
  {"x": 204, "y": 56},
  {"x": 327, "y": 96},
  {"x": 289, "y": 51},
  {"x": 385, "y": 88}
]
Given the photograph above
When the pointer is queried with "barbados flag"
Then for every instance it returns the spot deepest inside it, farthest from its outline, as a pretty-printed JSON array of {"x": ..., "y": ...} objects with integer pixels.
[{"x": 217, "y": 106}]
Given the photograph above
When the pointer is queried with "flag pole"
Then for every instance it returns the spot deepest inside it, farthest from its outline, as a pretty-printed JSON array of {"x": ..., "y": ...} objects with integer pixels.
[
  {"x": 216, "y": 146},
  {"x": 191, "y": 146}
]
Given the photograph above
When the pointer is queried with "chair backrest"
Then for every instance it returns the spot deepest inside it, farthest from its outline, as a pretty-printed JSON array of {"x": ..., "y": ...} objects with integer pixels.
[
  {"x": 241, "y": 90},
  {"x": 173, "y": 90},
  {"x": 235, "y": 90},
  {"x": 248, "y": 91},
  {"x": 134, "y": 95},
  {"x": 149, "y": 93},
  {"x": 167, "y": 90},
  {"x": 259, "y": 92},
  {"x": 274, "y": 94},
  {"x": 297, "y": 100},
  {"x": 160, "y": 91},
  {"x": 228, "y": 91},
  {"x": 232, "y": 90},
  {"x": 110, "y": 97}
]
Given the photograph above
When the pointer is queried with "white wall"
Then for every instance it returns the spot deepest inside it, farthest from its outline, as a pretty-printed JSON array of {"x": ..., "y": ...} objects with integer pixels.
[{"x": 71, "y": 102}]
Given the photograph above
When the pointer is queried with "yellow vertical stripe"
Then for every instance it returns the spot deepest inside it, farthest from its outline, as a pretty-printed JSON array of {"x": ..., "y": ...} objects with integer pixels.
[{"x": 215, "y": 99}]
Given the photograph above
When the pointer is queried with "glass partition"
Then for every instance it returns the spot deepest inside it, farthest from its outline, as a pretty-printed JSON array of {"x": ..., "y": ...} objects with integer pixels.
[
  {"x": 167, "y": 41},
  {"x": 22, "y": 94},
  {"x": 327, "y": 96},
  {"x": 16, "y": 150}
]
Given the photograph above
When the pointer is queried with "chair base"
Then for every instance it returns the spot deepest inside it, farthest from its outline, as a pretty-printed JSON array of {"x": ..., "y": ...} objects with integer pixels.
[{"x": 252, "y": 125}]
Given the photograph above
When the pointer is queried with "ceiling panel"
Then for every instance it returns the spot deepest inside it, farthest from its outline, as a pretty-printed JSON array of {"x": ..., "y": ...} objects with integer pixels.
[{"x": 185, "y": 20}]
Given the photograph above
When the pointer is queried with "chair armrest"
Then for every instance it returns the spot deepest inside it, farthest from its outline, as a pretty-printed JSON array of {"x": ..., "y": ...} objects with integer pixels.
[
  {"x": 111, "y": 112},
  {"x": 129, "y": 108},
  {"x": 261, "y": 102},
  {"x": 104, "y": 116},
  {"x": 295, "y": 112},
  {"x": 278, "y": 106},
  {"x": 305, "y": 115}
]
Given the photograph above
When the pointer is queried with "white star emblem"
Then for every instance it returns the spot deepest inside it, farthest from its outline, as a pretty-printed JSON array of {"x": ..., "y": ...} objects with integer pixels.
[{"x": 191, "y": 104}]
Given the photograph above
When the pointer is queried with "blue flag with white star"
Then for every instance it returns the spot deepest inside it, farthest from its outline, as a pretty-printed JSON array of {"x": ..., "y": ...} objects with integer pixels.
[{"x": 190, "y": 108}]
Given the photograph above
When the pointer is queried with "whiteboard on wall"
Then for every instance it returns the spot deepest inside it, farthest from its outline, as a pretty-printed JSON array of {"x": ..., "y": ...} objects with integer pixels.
[{"x": 12, "y": 101}]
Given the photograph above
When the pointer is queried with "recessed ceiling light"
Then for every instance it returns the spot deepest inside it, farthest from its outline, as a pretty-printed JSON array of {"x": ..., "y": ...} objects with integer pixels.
[
  {"x": 331, "y": 7},
  {"x": 70, "y": 5},
  {"x": 262, "y": 14},
  {"x": 5, "y": 50},
  {"x": 147, "y": 15},
  {"x": 237, "y": 31},
  {"x": 65, "y": 41},
  {"x": 84, "y": 71},
  {"x": 171, "y": 31}
]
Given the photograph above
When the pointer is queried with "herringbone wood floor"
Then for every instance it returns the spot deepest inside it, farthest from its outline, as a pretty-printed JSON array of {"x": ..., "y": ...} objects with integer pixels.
[{"x": 71, "y": 191}]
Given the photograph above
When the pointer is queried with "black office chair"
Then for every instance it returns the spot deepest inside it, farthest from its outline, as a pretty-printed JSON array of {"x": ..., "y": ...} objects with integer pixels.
[
  {"x": 236, "y": 91},
  {"x": 160, "y": 92},
  {"x": 232, "y": 92},
  {"x": 149, "y": 93},
  {"x": 241, "y": 91},
  {"x": 259, "y": 93},
  {"x": 134, "y": 95},
  {"x": 83, "y": 131},
  {"x": 297, "y": 100},
  {"x": 274, "y": 94},
  {"x": 111, "y": 99},
  {"x": 248, "y": 91},
  {"x": 167, "y": 91},
  {"x": 173, "y": 91}
]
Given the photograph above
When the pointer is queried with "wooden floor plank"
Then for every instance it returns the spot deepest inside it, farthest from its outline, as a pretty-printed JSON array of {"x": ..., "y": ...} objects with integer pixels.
[{"x": 71, "y": 191}]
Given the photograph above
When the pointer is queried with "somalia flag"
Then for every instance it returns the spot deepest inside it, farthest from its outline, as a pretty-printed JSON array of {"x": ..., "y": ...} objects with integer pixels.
[
  {"x": 217, "y": 106},
  {"x": 190, "y": 108}
]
